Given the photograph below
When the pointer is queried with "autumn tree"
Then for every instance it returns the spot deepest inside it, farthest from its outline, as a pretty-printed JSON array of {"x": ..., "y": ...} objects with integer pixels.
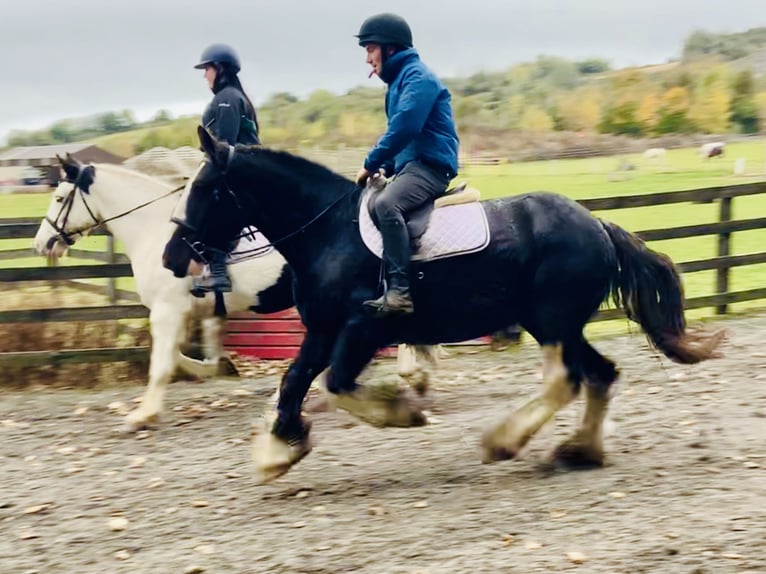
[
  {"x": 647, "y": 112},
  {"x": 672, "y": 116},
  {"x": 709, "y": 110},
  {"x": 579, "y": 110},
  {"x": 744, "y": 111},
  {"x": 535, "y": 119},
  {"x": 621, "y": 111}
]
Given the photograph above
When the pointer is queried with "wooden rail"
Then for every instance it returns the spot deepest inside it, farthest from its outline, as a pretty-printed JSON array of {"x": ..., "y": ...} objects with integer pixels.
[{"x": 114, "y": 265}]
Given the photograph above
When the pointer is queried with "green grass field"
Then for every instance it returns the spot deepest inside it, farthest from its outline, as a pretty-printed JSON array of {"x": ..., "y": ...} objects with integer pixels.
[
  {"x": 683, "y": 169},
  {"x": 590, "y": 178}
]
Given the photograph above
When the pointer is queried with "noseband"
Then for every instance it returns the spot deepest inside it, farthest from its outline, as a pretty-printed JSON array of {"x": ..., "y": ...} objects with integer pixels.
[{"x": 62, "y": 218}]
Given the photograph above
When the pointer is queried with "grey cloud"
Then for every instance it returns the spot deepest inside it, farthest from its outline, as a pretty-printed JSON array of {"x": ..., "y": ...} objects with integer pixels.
[{"x": 84, "y": 56}]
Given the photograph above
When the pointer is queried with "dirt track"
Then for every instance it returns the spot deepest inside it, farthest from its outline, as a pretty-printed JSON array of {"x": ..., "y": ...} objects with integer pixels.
[{"x": 684, "y": 490}]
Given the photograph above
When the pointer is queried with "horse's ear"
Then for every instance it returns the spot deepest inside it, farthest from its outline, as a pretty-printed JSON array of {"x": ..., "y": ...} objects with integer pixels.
[
  {"x": 67, "y": 160},
  {"x": 86, "y": 177},
  {"x": 206, "y": 141},
  {"x": 71, "y": 167}
]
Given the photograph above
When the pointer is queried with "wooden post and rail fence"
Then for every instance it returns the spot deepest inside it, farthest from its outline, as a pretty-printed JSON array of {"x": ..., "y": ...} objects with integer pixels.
[{"x": 285, "y": 327}]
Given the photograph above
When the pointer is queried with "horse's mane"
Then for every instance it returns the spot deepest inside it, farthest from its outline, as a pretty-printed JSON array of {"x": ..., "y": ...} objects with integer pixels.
[
  {"x": 121, "y": 169},
  {"x": 294, "y": 164}
]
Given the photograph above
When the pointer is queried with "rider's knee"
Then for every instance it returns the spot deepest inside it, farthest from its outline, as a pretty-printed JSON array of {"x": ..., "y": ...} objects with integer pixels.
[{"x": 387, "y": 209}]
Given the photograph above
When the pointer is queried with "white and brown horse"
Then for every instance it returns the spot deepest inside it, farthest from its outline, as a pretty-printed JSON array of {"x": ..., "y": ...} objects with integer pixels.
[{"x": 136, "y": 209}]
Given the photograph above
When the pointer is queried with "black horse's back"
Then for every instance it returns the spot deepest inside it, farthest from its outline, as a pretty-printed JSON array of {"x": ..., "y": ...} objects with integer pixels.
[{"x": 548, "y": 266}]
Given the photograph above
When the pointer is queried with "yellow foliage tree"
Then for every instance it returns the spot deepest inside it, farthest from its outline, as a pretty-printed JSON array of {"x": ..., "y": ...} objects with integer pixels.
[
  {"x": 535, "y": 119},
  {"x": 580, "y": 110},
  {"x": 358, "y": 125},
  {"x": 675, "y": 100},
  {"x": 760, "y": 100},
  {"x": 674, "y": 109},
  {"x": 710, "y": 106},
  {"x": 647, "y": 110}
]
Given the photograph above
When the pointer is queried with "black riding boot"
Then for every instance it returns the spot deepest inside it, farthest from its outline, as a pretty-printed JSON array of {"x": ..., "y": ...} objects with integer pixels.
[
  {"x": 216, "y": 280},
  {"x": 396, "y": 257}
]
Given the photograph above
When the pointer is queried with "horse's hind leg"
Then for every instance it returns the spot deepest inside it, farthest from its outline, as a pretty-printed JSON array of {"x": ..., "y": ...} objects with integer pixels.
[
  {"x": 586, "y": 446},
  {"x": 415, "y": 374},
  {"x": 167, "y": 324},
  {"x": 506, "y": 439}
]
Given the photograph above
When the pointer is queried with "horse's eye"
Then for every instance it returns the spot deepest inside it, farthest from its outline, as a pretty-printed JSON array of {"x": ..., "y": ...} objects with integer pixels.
[{"x": 59, "y": 199}]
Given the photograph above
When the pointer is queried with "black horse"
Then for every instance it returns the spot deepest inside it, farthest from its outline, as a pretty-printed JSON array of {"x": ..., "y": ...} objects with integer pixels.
[{"x": 548, "y": 267}]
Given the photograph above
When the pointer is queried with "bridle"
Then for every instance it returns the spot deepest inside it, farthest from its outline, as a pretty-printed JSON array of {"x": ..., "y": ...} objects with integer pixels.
[{"x": 81, "y": 185}]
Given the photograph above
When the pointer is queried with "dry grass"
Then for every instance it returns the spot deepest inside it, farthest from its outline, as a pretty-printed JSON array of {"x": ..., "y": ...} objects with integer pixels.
[{"x": 19, "y": 337}]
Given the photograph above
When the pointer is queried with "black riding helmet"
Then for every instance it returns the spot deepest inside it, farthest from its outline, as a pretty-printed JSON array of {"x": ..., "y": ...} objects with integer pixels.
[
  {"x": 385, "y": 29},
  {"x": 221, "y": 54}
]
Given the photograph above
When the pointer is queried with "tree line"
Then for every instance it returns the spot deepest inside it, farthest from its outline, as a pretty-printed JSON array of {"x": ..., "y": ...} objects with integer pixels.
[{"x": 718, "y": 86}]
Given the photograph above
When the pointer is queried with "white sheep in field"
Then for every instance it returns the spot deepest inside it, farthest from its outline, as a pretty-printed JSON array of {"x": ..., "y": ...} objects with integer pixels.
[{"x": 657, "y": 153}]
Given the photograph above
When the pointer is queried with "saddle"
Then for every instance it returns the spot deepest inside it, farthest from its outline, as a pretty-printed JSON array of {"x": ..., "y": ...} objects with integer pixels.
[{"x": 453, "y": 224}]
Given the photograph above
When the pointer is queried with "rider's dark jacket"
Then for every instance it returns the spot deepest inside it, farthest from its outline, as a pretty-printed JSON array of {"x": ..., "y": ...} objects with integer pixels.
[{"x": 228, "y": 117}]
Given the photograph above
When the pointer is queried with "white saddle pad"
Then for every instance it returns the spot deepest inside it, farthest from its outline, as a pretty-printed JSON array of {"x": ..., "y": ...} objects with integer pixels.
[
  {"x": 453, "y": 230},
  {"x": 250, "y": 246}
]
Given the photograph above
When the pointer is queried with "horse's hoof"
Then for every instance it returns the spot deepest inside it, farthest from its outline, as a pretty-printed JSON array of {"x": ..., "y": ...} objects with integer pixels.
[
  {"x": 317, "y": 404},
  {"x": 135, "y": 422},
  {"x": 418, "y": 380},
  {"x": 274, "y": 456},
  {"x": 382, "y": 405},
  {"x": 575, "y": 454},
  {"x": 496, "y": 444},
  {"x": 496, "y": 454}
]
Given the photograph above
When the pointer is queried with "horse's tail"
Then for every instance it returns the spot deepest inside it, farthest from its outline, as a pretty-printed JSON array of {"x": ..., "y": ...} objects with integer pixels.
[{"x": 649, "y": 288}]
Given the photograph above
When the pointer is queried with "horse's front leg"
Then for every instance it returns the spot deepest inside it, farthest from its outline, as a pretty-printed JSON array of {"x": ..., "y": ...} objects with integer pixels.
[
  {"x": 287, "y": 441},
  {"x": 378, "y": 404},
  {"x": 167, "y": 323}
]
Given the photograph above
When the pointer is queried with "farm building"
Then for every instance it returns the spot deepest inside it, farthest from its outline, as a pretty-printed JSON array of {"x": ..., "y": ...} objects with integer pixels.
[{"x": 43, "y": 157}]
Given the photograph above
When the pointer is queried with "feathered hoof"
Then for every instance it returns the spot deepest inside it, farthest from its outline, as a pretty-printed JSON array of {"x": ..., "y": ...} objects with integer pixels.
[
  {"x": 382, "y": 406},
  {"x": 419, "y": 380},
  {"x": 497, "y": 443},
  {"x": 492, "y": 454},
  {"x": 574, "y": 453},
  {"x": 274, "y": 456},
  {"x": 137, "y": 420}
]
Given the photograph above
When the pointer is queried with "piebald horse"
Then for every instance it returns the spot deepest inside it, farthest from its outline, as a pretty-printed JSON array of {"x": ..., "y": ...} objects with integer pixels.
[
  {"x": 547, "y": 265},
  {"x": 136, "y": 209}
]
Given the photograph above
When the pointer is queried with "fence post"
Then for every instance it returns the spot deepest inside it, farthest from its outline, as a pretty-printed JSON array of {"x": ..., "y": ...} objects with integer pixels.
[
  {"x": 111, "y": 258},
  {"x": 722, "y": 273}
]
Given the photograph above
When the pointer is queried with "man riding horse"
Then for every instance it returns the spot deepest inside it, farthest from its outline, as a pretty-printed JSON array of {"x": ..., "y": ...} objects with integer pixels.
[{"x": 419, "y": 148}]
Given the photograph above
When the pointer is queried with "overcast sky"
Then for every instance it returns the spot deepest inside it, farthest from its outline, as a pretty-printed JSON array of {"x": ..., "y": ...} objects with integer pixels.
[{"x": 65, "y": 58}]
